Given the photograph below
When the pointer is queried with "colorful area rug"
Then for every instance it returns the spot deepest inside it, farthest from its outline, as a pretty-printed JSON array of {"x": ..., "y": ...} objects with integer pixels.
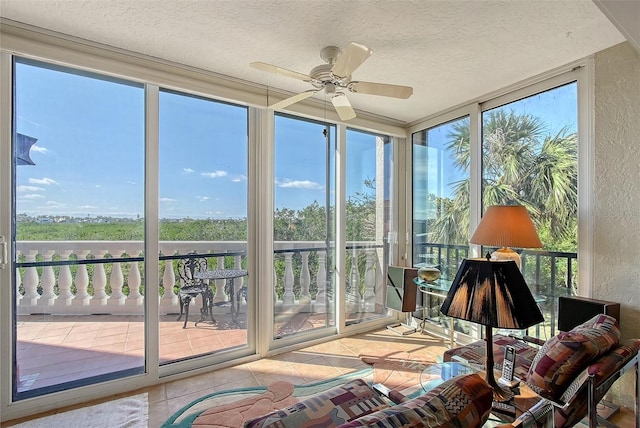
[{"x": 230, "y": 408}]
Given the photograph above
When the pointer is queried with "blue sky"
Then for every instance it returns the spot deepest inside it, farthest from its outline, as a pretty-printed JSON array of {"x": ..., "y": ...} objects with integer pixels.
[
  {"x": 557, "y": 108},
  {"x": 89, "y": 157},
  {"x": 90, "y": 151}
]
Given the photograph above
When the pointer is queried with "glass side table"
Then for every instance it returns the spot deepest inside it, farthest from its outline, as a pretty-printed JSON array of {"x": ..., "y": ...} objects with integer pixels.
[
  {"x": 438, "y": 288},
  {"x": 435, "y": 374}
]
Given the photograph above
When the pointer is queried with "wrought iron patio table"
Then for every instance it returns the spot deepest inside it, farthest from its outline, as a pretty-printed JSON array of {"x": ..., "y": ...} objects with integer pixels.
[{"x": 229, "y": 275}]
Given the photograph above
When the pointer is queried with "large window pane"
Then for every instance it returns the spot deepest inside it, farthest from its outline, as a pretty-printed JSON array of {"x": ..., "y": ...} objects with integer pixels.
[
  {"x": 368, "y": 222},
  {"x": 441, "y": 177},
  {"x": 303, "y": 226},
  {"x": 529, "y": 157},
  {"x": 441, "y": 196},
  {"x": 203, "y": 217},
  {"x": 79, "y": 229}
]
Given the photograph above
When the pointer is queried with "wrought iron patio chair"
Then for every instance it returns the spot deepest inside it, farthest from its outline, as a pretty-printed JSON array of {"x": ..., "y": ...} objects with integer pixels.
[{"x": 192, "y": 287}]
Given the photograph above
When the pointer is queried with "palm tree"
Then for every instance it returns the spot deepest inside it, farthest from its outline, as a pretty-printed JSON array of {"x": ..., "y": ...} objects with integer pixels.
[{"x": 521, "y": 165}]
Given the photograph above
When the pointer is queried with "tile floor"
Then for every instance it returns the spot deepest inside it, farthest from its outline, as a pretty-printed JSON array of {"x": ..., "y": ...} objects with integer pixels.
[{"x": 299, "y": 367}]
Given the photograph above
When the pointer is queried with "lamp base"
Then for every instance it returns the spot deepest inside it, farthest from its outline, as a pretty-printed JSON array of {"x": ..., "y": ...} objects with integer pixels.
[
  {"x": 499, "y": 394},
  {"x": 506, "y": 253}
]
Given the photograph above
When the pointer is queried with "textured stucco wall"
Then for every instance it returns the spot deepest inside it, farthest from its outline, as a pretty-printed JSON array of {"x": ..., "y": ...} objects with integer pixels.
[{"x": 617, "y": 192}]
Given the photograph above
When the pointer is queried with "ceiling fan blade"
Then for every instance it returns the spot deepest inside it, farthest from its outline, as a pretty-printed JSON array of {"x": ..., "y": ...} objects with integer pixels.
[
  {"x": 279, "y": 70},
  {"x": 395, "y": 91},
  {"x": 343, "y": 106},
  {"x": 294, "y": 99},
  {"x": 350, "y": 59}
]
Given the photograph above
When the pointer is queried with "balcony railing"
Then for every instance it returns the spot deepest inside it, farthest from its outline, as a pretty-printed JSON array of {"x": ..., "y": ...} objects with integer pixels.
[
  {"x": 549, "y": 274},
  {"x": 106, "y": 277}
]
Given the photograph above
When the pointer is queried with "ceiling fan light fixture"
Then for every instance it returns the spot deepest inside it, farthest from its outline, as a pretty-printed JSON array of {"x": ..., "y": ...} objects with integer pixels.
[{"x": 330, "y": 89}]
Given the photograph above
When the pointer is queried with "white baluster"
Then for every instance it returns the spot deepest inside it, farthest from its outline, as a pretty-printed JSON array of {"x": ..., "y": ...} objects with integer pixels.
[
  {"x": 379, "y": 280},
  {"x": 65, "y": 296},
  {"x": 275, "y": 286},
  {"x": 100, "y": 296},
  {"x": 134, "y": 298},
  {"x": 48, "y": 281},
  {"x": 82, "y": 281},
  {"x": 116, "y": 281},
  {"x": 321, "y": 280},
  {"x": 239, "y": 282},
  {"x": 289, "y": 297},
  {"x": 369, "y": 297},
  {"x": 220, "y": 296},
  {"x": 30, "y": 281},
  {"x": 169, "y": 298},
  {"x": 305, "y": 282},
  {"x": 354, "y": 280}
]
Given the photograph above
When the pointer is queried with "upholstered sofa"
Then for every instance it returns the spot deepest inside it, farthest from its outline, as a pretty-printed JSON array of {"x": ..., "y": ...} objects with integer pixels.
[
  {"x": 463, "y": 401},
  {"x": 570, "y": 372}
]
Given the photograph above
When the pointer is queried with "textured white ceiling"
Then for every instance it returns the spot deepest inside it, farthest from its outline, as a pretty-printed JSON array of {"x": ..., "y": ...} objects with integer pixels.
[{"x": 449, "y": 51}]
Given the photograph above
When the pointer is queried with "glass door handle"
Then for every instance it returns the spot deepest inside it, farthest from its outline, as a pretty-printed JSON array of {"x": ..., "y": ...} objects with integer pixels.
[{"x": 3, "y": 252}]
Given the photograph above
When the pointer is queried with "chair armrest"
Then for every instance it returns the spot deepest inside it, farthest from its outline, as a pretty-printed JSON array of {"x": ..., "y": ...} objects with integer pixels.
[
  {"x": 540, "y": 412},
  {"x": 534, "y": 340},
  {"x": 392, "y": 394}
]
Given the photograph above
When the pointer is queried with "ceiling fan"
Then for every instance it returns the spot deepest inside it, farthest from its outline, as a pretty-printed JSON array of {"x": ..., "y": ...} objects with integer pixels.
[{"x": 334, "y": 78}]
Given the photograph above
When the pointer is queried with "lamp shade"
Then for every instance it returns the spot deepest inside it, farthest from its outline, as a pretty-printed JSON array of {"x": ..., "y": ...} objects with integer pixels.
[
  {"x": 506, "y": 226},
  {"x": 491, "y": 293}
]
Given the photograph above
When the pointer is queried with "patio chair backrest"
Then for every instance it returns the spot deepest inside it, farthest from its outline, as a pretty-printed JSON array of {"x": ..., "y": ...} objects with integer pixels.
[{"x": 187, "y": 268}]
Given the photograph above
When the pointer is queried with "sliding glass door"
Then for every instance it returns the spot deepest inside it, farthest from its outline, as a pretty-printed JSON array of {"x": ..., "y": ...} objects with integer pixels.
[
  {"x": 304, "y": 226},
  {"x": 441, "y": 208},
  {"x": 78, "y": 229},
  {"x": 203, "y": 225},
  {"x": 368, "y": 223}
]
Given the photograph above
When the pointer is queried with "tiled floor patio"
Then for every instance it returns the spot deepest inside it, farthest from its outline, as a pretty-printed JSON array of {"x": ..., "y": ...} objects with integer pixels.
[{"x": 300, "y": 367}]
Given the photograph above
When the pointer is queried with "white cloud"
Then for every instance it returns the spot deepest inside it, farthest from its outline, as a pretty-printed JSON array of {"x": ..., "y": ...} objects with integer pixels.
[
  {"x": 202, "y": 198},
  {"x": 44, "y": 180},
  {"x": 299, "y": 184},
  {"x": 33, "y": 196},
  {"x": 239, "y": 178},
  {"x": 188, "y": 170},
  {"x": 29, "y": 189},
  {"x": 39, "y": 149},
  {"x": 87, "y": 207},
  {"x": 54, "y": 204},
  {"x": 214, "y": 174},
  {"x": 167, "y": 200}
]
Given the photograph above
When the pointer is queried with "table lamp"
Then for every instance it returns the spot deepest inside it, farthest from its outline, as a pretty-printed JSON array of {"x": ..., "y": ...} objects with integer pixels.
[
  {"x": 506, "y": 226},
  {"x": 493, "y": 294}
]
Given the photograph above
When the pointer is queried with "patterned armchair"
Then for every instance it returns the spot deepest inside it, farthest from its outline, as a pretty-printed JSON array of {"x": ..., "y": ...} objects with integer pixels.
[
  {"x": 463, "y": 401},
  {"x": 571, "y": 372}
]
